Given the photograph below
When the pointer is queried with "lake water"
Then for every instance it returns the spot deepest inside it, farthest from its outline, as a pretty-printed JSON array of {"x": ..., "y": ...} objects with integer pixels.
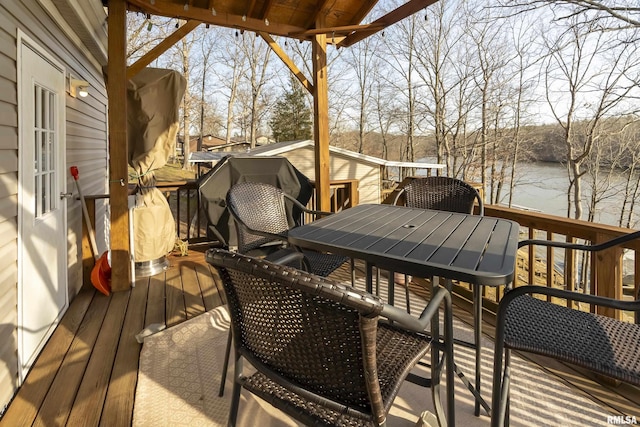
[{"x": 543, "y": 187}]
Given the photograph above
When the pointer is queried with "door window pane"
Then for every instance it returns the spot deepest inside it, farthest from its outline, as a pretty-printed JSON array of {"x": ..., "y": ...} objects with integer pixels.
[{"x": 45, "y": 179}]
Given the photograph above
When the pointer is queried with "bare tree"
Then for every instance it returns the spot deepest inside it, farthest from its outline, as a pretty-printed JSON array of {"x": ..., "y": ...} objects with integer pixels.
[
  {"x": 607, "y": 15},
  {"x": 230, "y": 69},
  {"x": 436, "y": 44},
  {"x": 590, "y": 91},
  {"x": 402, "y": 78},
  {"x": 362, "y": 61},
  {"x": 257, "y": 54}
]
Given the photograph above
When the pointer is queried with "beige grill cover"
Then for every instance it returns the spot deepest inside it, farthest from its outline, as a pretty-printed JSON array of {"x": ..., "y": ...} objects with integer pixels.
[{"x": 153, "y": 102}]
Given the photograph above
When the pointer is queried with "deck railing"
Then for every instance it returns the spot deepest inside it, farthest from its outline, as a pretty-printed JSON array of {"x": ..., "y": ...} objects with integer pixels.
[
  {"x": 596, "y": 273},
  {"x": 185, "y": 203}
]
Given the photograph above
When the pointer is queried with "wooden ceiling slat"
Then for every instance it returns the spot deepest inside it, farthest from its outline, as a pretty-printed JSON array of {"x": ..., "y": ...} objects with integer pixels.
[
  {"x": 322, "y": 4},
  {"x": 267, "y": 9}
]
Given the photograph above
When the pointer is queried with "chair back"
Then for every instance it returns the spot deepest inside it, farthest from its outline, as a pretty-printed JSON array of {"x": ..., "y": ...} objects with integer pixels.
[
  {"x": 261, "y": 207},
  {"x": 441, "y": 193},
  {"x": 304, "y": 331}
]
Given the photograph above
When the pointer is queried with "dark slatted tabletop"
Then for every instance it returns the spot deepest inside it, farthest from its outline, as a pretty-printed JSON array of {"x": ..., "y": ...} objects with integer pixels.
[{"x": 476, "y": 249}]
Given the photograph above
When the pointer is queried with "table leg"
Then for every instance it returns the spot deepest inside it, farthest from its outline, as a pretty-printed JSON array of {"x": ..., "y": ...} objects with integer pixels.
[
  {"x": 391, "y": 286},
  {"x": 477, "y": 320},
  {"x": 369, "y": 276}
]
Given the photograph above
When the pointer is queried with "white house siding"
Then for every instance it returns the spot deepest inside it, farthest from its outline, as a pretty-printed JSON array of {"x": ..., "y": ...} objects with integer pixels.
[
  {"x": 86, "y": 132},
  {"x": 341, "y": 167}
]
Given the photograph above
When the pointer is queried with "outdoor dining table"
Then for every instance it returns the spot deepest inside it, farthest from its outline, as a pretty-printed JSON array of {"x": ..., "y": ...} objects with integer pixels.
[{"x": 478, "y": 250}]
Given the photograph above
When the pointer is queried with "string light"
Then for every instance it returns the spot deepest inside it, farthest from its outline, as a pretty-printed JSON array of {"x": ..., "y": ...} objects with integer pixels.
[
  {"x": 213, "y": 11},
  {"x": 266, "y": 22},
  {"x": 244, "y": 18},
  {"x": 186, "y": 6}
]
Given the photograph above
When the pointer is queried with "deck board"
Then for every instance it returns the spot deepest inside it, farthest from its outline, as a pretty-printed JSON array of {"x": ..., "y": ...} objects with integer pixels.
[
  {"x": 118, "y": 406},
  {"x": 59, "y": 400},
  {"x": 95, "y": 380},
  {"x": 194, "y": 304},
  {"x": 24, "y": 407},
  {"x": 87, "y": 373},
  {"x": 211, "y": 295},
  {"x": 175, "y": 310}
]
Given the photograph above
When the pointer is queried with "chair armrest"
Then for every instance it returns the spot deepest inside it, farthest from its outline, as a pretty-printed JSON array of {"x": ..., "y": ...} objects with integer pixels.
[
  {"x": 303, "y": 208},
  {"x": 592, "y": 248},
  {"x": 400, "y": 193},
  {"x": 289, "y": 257},
  {"x": 480, "y": 204},
  {"x": 417, "y": 324},
  {"x": 574, "y": 296}
]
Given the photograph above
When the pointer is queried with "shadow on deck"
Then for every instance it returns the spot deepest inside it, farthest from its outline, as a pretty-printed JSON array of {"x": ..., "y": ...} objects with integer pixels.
[{"x": 88, "y": 371}]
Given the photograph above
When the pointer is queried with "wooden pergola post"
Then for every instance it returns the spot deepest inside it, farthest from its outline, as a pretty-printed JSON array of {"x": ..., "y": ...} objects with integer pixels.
[
  {"x": 321, "y": 122},
  {"x": 118, "y": 150}
]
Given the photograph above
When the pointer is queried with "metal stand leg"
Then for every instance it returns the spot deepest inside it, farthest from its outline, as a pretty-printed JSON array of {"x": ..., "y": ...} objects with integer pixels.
[
  {"x": 477, "y": 328},
  {"x": 223, "y": 379}
]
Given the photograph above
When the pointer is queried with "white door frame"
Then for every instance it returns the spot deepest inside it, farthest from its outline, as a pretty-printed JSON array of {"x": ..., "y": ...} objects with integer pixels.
[{"x": 25, "y": 42}]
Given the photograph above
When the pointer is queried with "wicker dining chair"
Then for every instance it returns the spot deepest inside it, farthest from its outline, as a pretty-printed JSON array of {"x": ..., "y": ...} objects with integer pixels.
[
  {"x": 325, "y": 353},
  {"x": 440, "y": 193},
  {"x": 598, "y": 343},
  {"x": 263, "y": 215}
]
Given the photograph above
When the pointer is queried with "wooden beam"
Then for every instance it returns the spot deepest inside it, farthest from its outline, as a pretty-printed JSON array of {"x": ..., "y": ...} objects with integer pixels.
[
  {"x": 118, "y": 150},
  {"x": 175, "y": 10},
  {"x": 390, "y": 18},
  {"x": 287, "y": 61},
  {"x": 321, "y": 122},
  {"x": 347, "y": 29},
  {"x": 320, "y": 10},
  {"x": 160, "y": 48},
  {"x": 266, "y": 9}
]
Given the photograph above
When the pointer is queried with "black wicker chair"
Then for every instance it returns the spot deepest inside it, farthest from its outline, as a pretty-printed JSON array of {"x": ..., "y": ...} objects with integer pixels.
[
  {"x": 323, "y": 352},
  {"x": 263, "y": 215},
  {"x": 600, "y": 344},
  {"x": 441, "y": 193}
]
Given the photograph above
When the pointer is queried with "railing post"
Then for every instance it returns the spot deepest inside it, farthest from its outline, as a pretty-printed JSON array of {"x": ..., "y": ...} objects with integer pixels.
[{"x": 607, "y": 265}]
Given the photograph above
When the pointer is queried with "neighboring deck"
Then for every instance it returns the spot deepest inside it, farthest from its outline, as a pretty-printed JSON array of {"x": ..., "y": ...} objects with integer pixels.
[{"x": 87, "y": 373}]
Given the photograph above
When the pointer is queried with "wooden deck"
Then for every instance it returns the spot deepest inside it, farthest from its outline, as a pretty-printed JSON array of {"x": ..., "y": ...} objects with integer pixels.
[{"x": 87, "y": 373}]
